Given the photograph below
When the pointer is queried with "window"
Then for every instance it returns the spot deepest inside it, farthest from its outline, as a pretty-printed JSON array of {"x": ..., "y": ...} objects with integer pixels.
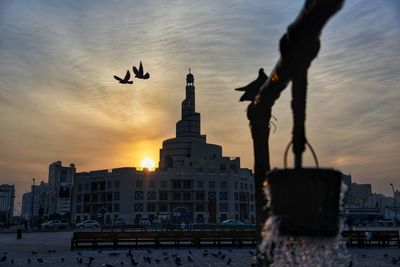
[
  {"x": 151, "y": 195},
  {"x": 211, "y": 184},
  {"x": 223, "y": 207},
  {"x": 251, "y": 187},
  {"x": 94, "y": 186},
  {"x": 86, "y": 197},
  {"x": 236, "y": 185},
  {"x": 109, "y": 185},
  {"x": 151, "y": 207},
  {"x": 138, "y": 195},
  {"x": 252, "y": 208},
  {"x": 236, "y": 207},
  {"x": 109, "y": 196},
  {"x": 223, "y": 195},
  {"x": 116, "y": 195},
  {"x": 164, "y": 184},
  {"x": 245, "y": 186},
  {"x": 200, "y": 184},
  {"x": 236, "y": 196},
  {"x": 87, "y": 188},
  {"x": 79, "y": 187},
  {"x": 138, "y": 207},
  {"x": 252, "y": 197},
  {"x": 139, "y": 183},
  {"x": 233, "y": 167},
  {"x": 116, "y": 207},
  {"x": 109, "y": 207},
  {"x": 211, "y": 195},
  {"x": 163, "y": 207},
  {"x": 117, "y": 183},
  {"x": 200, "y": 207},
  {"x": 163, "y": 195},
  {"x": 223, "y": 185},
  {"x": 79, "y": 198},
  {"x": 187, "y": 196},
  {"x": 95, "y": 197},
  {"x": 187, "y": 184},
  {"x": 176, "y": 184},
  {"x": 86, "y": 208},
  {"x": 222, "y": 167},
  {"x": 152, "y": 183},
  {"x": 78, "y": 209},
  {"x": 102, "y": 186},
  {"x": 200, "y": 196},
  {"x": 176, "y": 196}
]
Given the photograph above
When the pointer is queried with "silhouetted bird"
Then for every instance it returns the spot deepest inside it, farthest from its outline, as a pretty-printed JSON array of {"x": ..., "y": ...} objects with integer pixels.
[
  {"x": 34, "y": 252},
  {"x": 79, "y": 260},
  {"x": 252, "y": 89},
  {"x": 157, "y": 261},
  {"x": 190, "y": 259},
  {"x": 40, "y": 260},
  {"x": 3, "y": 258},
  {"x": 205, "y": 254},
  {"x": 385, "y": 255},
  {"x": 100, "y": 251},
  {"x": 90, "y": 260},
  {"x": 125, "y": 80},
  {"x": 223, "y": 256},
  {"x": 350, "y": 264},
  {"x": 62, "y": 259},
  {"x": 79, "y": 253},
  {"x": 215, "y": 255},
  {"x": 229, "y": 261},
  {"x": 190, "y": 252},
  {"x": 12, "y": 261},
  {"x": 121, "y": 263},
  {"x": 134, "y": 263},
  {"x": 139, "y": 73},
  {"x": 29, "y": 260},
  {"x": 166, "y": 258},
  {"x": 129, "y": 254},
  {"x": 149, "y": 251},
  {"x": 114, "y": 254}
]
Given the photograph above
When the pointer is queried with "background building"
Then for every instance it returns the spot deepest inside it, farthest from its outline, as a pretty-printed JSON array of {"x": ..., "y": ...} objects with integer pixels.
[
  {"x": 7, "y": 194},
  {"x": 60, "y": 183},
  {"x": 194, "y": 182}
]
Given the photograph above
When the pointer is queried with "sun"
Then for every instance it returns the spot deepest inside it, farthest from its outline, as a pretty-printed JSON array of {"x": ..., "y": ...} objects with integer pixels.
[{"x": 147, "y": 163}]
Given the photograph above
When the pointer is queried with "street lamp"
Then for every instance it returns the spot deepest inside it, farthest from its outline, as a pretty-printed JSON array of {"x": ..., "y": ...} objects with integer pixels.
[{"x": 394, "y": 202}]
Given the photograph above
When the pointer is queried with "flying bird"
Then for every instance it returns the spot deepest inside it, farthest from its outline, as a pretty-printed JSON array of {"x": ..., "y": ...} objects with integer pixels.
[
  {"x": 139, "y": 72},
  {"x": 125, "y": 80},
  {"x": 251, "y": 90}
]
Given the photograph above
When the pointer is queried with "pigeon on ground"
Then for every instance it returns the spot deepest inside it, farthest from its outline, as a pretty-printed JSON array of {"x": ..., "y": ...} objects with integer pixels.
[
  {"x": 40, "y": 260},
  {"x": 79, "y": 260},
  {"x": 252, "y": 89},
  {"x": 12, "y": 261},
  {"x": 139, "y": 73},
  {"x": 149, "y": 251},
  {"x": 34, "y": 252},
  {"x": 3, "y": 258},
  {"x": 125, "y": 80},
  {"x": 29, "y": 260},
  {"x": 229, "y": 261},
  {"x": 190, "y": 259},
  {"x": 134, "y": 263}
]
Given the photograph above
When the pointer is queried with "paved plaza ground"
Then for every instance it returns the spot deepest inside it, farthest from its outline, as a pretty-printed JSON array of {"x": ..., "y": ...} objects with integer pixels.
[{"x": 20, "y": 251}]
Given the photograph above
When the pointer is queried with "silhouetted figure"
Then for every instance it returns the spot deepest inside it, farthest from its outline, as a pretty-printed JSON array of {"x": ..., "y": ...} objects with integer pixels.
[
  {"x": 252, "y": 89},
  {"x": 125, "y": 80},
  {"x": 139, "y": 73}
]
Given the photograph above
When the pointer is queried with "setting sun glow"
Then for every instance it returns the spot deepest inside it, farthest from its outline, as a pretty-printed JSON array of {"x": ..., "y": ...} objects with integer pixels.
[{"x": 147, "y": 163}]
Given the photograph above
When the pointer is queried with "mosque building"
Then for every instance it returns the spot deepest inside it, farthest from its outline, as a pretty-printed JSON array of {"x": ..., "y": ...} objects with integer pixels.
[{"x": 194, "y": 182}]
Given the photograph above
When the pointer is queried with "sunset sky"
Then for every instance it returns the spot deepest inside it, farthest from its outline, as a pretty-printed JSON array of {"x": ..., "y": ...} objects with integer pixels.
[{"x": 59, "y": 100}]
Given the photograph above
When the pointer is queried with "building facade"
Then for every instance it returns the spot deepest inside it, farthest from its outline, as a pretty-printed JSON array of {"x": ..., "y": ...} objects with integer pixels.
[
  {"x": 60, "y": 183},
  {"x": 7, "y": 194},
  {"x": 194, "y": 182}
]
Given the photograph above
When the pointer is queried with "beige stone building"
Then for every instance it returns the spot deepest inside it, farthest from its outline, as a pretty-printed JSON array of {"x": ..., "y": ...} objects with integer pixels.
[{"x": 194, "y": 182}]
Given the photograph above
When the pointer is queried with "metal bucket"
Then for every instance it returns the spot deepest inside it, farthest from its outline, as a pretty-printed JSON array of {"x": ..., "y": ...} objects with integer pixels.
[{"x": 305, "y": 201}]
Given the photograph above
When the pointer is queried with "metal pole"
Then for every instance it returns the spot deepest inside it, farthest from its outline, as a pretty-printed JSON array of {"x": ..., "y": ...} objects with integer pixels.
[{"x": 394, "y": 202}]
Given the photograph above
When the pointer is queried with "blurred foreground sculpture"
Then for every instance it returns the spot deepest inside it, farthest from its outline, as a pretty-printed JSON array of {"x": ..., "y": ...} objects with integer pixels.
[{"x": 317, "y": 189}]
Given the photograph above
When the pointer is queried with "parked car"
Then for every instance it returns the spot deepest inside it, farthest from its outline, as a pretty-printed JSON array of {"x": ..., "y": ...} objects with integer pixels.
[
  {"x": 232, "y": 221},
  {"x": 119, "y": 221},
  {"x": 88, "y": 224},
  {"x": 54, "y": 224},
  {"x": 144, "y": 221}
]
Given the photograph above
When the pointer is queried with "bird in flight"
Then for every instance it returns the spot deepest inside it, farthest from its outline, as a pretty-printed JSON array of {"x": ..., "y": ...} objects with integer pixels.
[
  {"x": 125, "y": 80},
  {"x": 251, "y": 90},
  {"x": 139, "y": 73}
]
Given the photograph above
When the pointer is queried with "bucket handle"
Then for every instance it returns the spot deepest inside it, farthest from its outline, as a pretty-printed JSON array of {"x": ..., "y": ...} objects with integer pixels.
[{"x": 312, "y": 152}]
